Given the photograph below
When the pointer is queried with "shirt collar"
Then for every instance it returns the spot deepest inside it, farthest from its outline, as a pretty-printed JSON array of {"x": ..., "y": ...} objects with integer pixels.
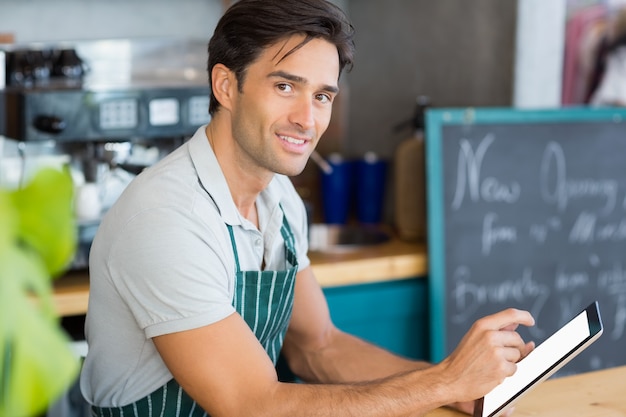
[{"x": 213, "y": 181}]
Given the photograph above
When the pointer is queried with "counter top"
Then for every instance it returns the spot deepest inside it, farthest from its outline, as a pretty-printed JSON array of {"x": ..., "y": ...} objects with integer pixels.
[
  {"x": 392, "y": 260},
  {"x": 387, "y": 261},
  {"x": 591, "y": 394}
]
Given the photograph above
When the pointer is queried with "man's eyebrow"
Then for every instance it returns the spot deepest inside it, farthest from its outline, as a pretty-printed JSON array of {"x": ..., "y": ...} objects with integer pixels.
[{"x": 300, "y": 80}]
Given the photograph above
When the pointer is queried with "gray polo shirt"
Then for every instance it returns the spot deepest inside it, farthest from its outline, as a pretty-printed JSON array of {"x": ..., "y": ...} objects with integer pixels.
[{"x": 162, "y": 262}]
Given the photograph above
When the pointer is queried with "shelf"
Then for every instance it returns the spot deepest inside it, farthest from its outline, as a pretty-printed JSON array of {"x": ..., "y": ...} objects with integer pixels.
[{"x": 392, "y": 260}]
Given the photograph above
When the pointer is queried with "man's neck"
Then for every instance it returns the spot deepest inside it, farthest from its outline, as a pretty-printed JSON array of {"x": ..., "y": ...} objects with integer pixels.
[{"x": 244, "y": 186}]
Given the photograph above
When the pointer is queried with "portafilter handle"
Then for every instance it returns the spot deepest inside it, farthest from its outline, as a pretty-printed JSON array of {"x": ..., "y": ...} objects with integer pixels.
[{"x": 49, "y": 124}]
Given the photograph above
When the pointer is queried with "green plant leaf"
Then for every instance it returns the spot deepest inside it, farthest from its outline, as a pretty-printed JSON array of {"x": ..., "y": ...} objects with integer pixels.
[
  {"x": 8, "y": 221},
  {"x": 8, "y": 225},
  {"x": 37, "y": 240},
  {"x": 9, "y": 285},
  {"x": 47, "y": 218},
  {"x": 40, "y": 364}
]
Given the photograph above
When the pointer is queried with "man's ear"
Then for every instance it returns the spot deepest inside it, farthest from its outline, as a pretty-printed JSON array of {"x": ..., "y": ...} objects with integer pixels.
[{"x": 223, "y": 85}]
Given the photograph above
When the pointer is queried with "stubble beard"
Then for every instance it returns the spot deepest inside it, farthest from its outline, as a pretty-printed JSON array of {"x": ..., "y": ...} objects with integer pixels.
[{"x": 262, "y": 156}]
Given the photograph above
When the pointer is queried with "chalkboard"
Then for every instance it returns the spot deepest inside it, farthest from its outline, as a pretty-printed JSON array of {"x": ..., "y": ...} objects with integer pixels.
[{"x": 527, "y": 209}]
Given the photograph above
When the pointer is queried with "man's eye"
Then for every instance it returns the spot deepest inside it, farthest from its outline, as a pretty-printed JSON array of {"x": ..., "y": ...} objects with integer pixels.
[
  {"x": 324, "y": 98},
  {"x": 284, "y": 87}
]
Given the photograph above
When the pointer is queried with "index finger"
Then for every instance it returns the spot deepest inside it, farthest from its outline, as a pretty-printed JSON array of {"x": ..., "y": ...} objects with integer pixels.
[{"x": 509, "y": 319}]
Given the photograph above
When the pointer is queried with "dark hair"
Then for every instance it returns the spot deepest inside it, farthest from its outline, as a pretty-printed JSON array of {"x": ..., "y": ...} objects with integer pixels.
[{"x": 250, "y": 26}]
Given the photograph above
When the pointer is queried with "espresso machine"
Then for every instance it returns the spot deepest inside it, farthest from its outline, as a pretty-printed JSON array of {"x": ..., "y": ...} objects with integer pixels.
[{"x": 106, "y": 108}]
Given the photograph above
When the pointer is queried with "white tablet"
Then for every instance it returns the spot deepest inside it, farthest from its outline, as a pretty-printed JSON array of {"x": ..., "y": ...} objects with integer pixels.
[{"x": 543, "y": 361}]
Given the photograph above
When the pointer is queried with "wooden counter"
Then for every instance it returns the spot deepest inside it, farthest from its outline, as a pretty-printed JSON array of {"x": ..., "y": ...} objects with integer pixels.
[
  {"x": 388, "y": 261},
  {"x": 71, "y": 293},
  {"x": 592, "y": 394}
]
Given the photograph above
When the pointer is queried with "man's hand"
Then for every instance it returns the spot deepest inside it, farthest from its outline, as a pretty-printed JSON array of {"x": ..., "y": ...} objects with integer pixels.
[{"x": 487, "y": 354}]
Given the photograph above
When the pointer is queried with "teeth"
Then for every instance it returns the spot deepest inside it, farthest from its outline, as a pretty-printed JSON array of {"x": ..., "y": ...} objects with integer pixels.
[{"x": 292, "y": 140}]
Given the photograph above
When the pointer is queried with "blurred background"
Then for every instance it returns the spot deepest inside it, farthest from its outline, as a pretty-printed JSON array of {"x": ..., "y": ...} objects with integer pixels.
[
  {"x": 526, "y": 53},
  {"x": 108, "y": 87}
]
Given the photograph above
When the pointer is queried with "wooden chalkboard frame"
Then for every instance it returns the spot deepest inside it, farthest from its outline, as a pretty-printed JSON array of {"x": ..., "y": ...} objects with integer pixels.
[{"x": 436, "y": 119}]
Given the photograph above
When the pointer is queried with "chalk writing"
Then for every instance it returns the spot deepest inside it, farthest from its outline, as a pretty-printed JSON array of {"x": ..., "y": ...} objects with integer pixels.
[
  {"x": 539, "y": 232},
  {"x": 583, "y": 228},
  {"x": 534, "y": 217},
  {"x": 587, "y": 229},
  {"x": 488, "y": 189},
  {"x": 613, "y": 282},
  {"x": 493, "y": 234},
  {"x": 558, "y": 189},
  {"x": 470, "y": 295},
  {"x": 619, "y": 323},
  {"x": 571, "y": 281},
  {"x": 614, "y": 232}
]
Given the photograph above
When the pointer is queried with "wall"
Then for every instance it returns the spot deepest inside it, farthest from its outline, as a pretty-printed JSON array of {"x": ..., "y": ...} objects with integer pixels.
[
  {"x": 460, "y": 53},
  {"x": 59, "y": 20},
  {"x": 540, "y": 43}
]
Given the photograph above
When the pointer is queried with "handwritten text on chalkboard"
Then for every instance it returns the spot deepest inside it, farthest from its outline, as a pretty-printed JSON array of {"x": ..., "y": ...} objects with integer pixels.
[{"x": 535, "y": 218}]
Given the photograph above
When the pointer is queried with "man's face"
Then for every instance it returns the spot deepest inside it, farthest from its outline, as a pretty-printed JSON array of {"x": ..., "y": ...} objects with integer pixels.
[{"x": 285, "y": 105}]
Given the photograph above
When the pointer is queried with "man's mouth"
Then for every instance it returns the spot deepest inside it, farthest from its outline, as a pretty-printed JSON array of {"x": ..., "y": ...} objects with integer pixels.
[{"x": 292, "y": 140}]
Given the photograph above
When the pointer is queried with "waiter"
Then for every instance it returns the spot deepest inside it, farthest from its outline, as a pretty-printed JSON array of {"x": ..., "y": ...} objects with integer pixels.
[{"x": 200, "y": 275}]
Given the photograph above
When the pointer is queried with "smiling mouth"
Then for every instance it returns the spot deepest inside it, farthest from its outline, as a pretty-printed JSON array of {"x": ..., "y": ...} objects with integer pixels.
[{"x": 290, "y": 139}]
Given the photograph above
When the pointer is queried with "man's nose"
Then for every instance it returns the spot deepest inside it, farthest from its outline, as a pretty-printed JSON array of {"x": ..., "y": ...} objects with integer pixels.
[{"x": 303, "y": 114}]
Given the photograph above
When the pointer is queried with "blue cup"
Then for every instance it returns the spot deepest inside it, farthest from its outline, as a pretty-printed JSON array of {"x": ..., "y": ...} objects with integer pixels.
[
  {"x": 337, "y": 191},
  {"x": 371, "y": 175}
]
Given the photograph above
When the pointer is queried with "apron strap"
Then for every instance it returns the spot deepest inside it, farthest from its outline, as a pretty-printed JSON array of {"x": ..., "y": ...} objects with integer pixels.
[
  {"x": 234, "y": 246},
  {"x": 285, "y": 231}
]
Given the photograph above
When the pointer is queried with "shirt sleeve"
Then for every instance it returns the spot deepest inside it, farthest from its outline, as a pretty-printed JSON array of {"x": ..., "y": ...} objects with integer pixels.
[{"x": 172, "y": 271}]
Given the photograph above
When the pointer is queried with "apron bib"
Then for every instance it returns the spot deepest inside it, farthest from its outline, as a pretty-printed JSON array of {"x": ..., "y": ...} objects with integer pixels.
[{"x": 264, "y": 299}]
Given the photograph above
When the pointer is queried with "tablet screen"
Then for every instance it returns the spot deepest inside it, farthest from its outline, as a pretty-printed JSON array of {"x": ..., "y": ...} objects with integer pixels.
[{"x": 543, "y": 361}]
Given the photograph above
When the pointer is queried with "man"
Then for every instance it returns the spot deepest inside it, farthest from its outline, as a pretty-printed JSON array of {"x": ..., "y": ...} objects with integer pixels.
[{"x": 199, "y": 273}]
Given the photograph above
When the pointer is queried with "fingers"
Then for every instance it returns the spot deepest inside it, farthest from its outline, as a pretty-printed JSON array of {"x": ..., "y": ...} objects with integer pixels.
[
  {"x": 513, "y": 341},
  {"x": 510, "y": 327},
  {"x": 514, "y": 348},
  {"x": 509, "y": 319},
  {"x": 529, "y": 347},
  {"x": 489, "y": 352}
]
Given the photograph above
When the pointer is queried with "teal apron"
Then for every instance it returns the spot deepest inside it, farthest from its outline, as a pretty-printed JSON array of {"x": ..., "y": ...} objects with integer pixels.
[{"x": 264, "y": 299}]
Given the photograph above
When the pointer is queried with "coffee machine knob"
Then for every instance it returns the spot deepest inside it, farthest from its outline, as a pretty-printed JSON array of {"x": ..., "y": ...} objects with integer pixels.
[{"x": 49, "y": 124}]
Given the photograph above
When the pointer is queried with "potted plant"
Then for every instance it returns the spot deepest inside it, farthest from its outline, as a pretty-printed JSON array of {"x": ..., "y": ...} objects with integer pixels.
[{"x": 37, "y": 242}]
